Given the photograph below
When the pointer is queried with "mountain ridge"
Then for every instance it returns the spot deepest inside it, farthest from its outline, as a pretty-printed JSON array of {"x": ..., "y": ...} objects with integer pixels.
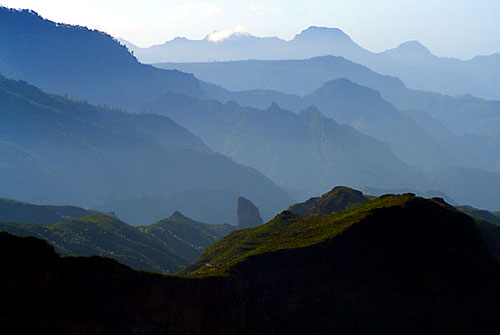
[
  {"x": 395, "y": 264},
  {"x": 411, "y": 61},
  {"x": 80, "y": 154}
]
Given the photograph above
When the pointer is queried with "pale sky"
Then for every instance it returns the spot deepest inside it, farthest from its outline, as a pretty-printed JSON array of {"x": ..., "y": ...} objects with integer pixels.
[{"x": 454, "y": 28}]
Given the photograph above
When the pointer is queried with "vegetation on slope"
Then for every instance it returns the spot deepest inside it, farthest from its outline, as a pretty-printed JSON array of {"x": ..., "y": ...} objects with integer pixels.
[
  {"x": 103, "y": 235},
  {"x": 480, "y": 214},
  {"x": 187, "y": 237},
  {"x": 164, "y": 247},
  {"x": 291, "y": 231}
]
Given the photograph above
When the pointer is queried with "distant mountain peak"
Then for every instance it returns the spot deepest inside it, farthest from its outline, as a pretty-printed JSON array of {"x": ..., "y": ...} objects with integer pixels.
[
  {"x": 315, "y": 32},
  {"x": 221, "y": 36},
  {"x": 410, "y": 48},
  {"x": 414, "y": 46}
]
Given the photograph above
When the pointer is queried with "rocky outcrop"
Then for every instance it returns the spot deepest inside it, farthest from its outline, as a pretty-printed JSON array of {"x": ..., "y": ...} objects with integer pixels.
[
  {"x": 248, "y": 214},
  {"x": 338, "y": 199}
]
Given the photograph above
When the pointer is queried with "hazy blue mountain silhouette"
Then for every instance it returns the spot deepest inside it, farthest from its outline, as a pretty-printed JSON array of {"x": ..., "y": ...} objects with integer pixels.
[
  {"x": 471, "y": 125},
  {"x": 55, "y": 150},
  {"x": 82, "y": 63},
  {"x": 411, "y": 61},
  {"x": 473, "y": 187},
  {"x": 313, "y": 41},
  {"x": 460, "y": 114},
  {"x": 306, "y": 151},
  {"x": 364, "y": 109},
  {"x": 93, "y": 66},
  {"x": 208, "y": 205}
]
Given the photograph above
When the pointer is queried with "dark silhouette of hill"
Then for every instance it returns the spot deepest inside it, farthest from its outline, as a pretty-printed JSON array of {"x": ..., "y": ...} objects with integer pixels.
[
  {"x": 410, "y": 61},
  {"x": 396, "y": 264},
  {"x": 82, "y": 63},
  {"x": 54, "y": 150},
  {"x": 306, "y": 151},
  {"x": 488, "y": 224}
]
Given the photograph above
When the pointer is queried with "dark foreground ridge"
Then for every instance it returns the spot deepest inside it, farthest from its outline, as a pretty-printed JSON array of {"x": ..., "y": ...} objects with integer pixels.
[{"x": 394, "y": 265}]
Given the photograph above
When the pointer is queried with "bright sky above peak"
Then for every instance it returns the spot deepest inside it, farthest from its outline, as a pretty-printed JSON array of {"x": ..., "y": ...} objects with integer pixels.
[{"x": 454, "y": 28}]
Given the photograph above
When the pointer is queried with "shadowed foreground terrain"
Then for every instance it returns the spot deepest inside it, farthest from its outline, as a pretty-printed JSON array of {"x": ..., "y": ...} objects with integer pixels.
[{"x": 396, "y": 264}]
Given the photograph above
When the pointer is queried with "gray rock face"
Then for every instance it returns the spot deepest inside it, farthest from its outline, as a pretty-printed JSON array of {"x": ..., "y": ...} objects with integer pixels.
[{"x": 248, "y": 214}]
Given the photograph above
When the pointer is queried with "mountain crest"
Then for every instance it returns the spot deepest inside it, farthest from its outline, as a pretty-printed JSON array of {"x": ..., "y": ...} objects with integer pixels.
[
  {"x": 338, "y": 199},
  {"x": 315, "y": 32},
  {"x": 414, "y": 47}
]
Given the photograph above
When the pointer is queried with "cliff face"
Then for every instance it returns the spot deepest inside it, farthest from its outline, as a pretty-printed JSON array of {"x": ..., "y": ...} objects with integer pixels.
[
  {"x": 248, "y": 214},
  {"x": 399, "y": 264}
]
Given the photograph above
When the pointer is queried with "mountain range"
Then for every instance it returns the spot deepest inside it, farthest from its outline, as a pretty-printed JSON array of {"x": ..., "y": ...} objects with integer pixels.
[
  {"x": 99, "y": 150},
  {"x": 427, "y": 131},
  {"x": 60, "y": 151},
  {"x": 411, "y": 61},
  {"x": 358, "y": 267},
  {"x": 305, "y": 151}
]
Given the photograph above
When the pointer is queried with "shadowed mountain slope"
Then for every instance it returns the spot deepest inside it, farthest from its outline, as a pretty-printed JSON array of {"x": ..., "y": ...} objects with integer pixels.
[{"x": 395, "y": 264}]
